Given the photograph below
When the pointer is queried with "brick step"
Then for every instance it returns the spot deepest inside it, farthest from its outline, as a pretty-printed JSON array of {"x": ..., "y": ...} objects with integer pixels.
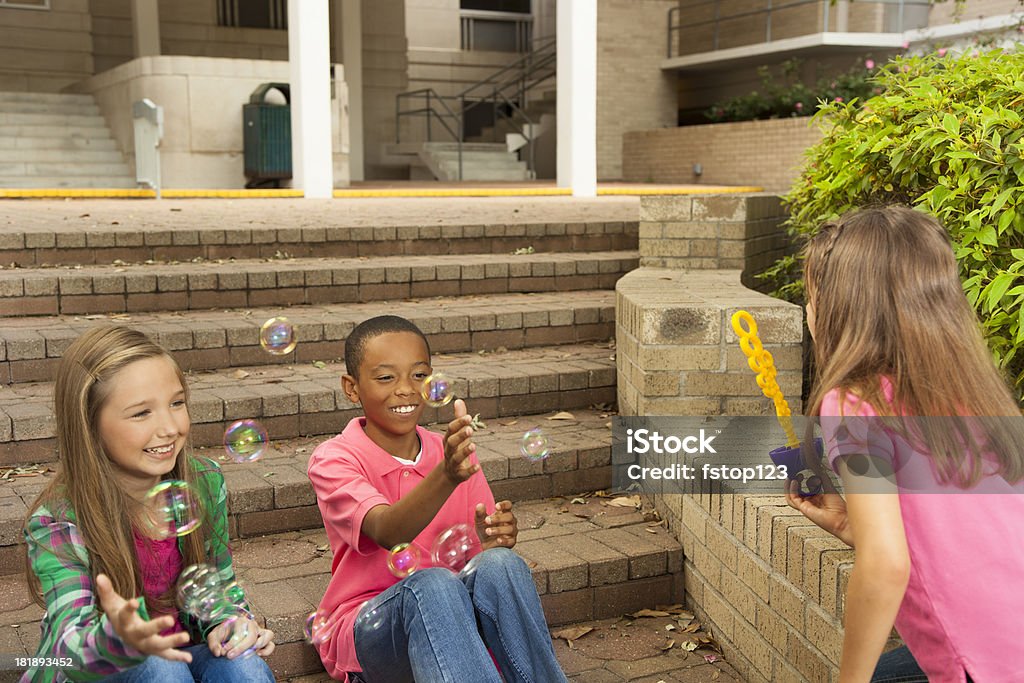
[
  {"x": 43, "y": 240},
  {"x": 304, "y": 400},
  {"x": 288, "y": 282},
  {"x": 30, "y": 346},
  {"x": 589, "y": 561},
  {"x": 273, "y": 494}
]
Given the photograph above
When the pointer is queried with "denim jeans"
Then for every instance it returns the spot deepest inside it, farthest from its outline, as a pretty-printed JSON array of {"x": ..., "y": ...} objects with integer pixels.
[
  {"x": 898, "y": 666},
  {"x": 204, "y": 667},
  {"x": 436, "y": 627}
]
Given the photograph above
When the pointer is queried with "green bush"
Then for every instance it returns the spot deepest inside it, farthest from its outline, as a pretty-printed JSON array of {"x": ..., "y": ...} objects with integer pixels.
[
  {"x": 783, "y": 94},
  {"x": 946, "y": 137}
]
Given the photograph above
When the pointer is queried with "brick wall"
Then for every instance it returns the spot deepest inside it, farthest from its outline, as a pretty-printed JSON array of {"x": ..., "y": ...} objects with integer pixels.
[
  {"x": 767, "y": 581},
  {"x": 944, "y": 13},
  {"x": 45, "y": 50},
  {"x": 633, "y": 93},
  {"x": 764, "y": 153}
]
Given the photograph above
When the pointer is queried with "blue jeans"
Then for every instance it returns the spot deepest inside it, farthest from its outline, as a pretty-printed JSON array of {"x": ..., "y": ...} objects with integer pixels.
[
  {"x": 204, "y": 667},
  {"x": 436, "y": 627}
]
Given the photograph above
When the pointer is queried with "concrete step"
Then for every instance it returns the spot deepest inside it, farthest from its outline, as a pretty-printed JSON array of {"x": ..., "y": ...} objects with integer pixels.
[
  {"x": 8, "y": 118},
  {"x": 273, "y": 494},
  {"x": 52, "y": 131},
  {"x": 70, "y": 182},
  {"x": 65, "y": 168},
  {"x": 589, "y": 561},
  {"x": 255, "y": 283},
  {"x": 67, "y": 156},
  {"x": 59, "y": 142},
  {"x": 101, "y": 238},
  {"x": 75, "y": 107},
  {"x": 303, "y": 400},
  {"x": 52, "y": 98},
  {"x": 208, "y": 340}
]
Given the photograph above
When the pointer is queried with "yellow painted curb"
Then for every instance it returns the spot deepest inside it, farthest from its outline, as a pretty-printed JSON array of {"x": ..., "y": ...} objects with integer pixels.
[{"x": 96, "y": 193}]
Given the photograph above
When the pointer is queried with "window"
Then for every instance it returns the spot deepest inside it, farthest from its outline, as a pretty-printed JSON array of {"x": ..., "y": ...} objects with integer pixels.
[
  {"x": 253, "y": 13},
  {"x": 498, "y": 25}
]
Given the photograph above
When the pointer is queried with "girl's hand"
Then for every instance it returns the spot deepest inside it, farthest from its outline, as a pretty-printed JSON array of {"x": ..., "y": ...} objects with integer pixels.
[
  {"x": 458, "y": 446},
  {"x": 233, "y": 637},
  {"x": 499, "y": 529},
  {"x": 134, "y": 631},
  {"x": 827, "y": 510}
]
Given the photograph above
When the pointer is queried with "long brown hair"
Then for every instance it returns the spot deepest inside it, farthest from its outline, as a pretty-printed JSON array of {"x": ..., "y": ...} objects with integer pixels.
[
  {"x": 104, "y": 514},
  {"x": 888, "y": 302}
]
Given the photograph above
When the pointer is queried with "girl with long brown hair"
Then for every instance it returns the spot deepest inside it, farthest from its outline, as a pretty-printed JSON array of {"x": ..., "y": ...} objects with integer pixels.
[
  {"x": 95, "y": 562},
  {"x": 926, "y": 438}
]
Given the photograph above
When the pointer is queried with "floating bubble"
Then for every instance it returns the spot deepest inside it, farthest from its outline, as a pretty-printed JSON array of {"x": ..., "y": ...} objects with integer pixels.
[
  {"x": 370, "y": 617},
  {"x": 534, "y": 445},
  {"x": 277, "y": 336},
  {"x": 437, "y": 390},
  {"x": 318, "y": 628},
  {"x": 245, "y": 440},
  {"x": 403, "y": 560},
  {"x": 201, "y": 592},
  {"x": 809, "y": 483},
  {"x": 171, "y": 509},
  {"x": 239, "y": 624},
  {"x": 454, "y": 547}
]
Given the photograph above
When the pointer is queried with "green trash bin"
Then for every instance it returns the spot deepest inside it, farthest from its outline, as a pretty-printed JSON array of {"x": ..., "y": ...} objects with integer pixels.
[{"x": 267, "y": 137}]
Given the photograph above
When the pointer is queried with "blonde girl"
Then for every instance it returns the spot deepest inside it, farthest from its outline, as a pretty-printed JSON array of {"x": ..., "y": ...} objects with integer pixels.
[
  {"x": 122, "y": 424},
  {"x": 927, "y": 440}
]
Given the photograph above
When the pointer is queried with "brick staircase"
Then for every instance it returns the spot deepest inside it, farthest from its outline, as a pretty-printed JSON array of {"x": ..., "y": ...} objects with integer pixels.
[{"x": 524, "y": 335}]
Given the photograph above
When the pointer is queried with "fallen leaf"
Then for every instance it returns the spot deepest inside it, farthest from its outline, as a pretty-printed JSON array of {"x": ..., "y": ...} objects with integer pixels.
[
  {"x": 715, "y": 676},
  {"x": 670, "y": 627},
  {"x": 562, "y": 416},
  {"x": 625, "y": 502},
  {"x": 322, "y": 548},
  {"x": 651, "y": 531},
  {"x": 710, "y": 659},
  {"x": 268, "y": 474},
  {"x": 649, "y": 613},
  {"x": 239, "y": 374},
  {"x": 579, "y": 501},
  {"x": 509, "y": 423},
  {"x": 689, "y": 646},
  {"x": 319, "y": 364},
  {"x": 581, "y": 515},
  {"x": 572, "y": 633},
  {"x": 668, "y": 646},
  {"x": 692, "y": 628}
]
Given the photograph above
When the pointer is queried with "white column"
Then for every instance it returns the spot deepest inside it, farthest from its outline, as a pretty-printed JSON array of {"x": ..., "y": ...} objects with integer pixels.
[
  {"x": 145, "y": 28},
  {"x": 309, "y": 55},
  {"x": 576, "y": 24},
  {"x": 352, "y": 58}
]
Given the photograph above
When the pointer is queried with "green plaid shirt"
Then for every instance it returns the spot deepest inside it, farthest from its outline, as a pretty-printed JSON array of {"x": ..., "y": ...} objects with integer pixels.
[{"x": 73, "y": 626}]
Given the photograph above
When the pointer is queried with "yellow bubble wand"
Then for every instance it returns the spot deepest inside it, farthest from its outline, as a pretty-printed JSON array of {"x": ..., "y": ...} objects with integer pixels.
[{"x": 761, "y": 362}]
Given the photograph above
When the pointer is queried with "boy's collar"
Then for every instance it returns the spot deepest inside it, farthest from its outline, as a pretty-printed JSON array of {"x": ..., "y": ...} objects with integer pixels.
[{"x": 386, "y": 463}]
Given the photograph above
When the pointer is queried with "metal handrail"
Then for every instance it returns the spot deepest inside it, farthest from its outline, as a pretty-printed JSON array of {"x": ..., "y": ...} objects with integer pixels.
[
  {"x": 675, "y": 27},
  {"x": 531, "y": 69}
]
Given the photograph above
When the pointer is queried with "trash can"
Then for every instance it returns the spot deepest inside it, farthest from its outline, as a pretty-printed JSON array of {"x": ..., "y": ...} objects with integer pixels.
[{"x": 267, "y": 137}]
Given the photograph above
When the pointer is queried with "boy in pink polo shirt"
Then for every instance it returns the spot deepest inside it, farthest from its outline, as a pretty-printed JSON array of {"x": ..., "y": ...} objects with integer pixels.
[{"x": 385, "y": 481}]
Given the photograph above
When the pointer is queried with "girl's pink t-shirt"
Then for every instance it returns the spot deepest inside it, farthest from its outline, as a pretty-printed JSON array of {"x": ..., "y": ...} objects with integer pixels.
[
  {"x": 351, "y": 474},
  {"x": 963, "y": 606},
  {"x": 160, "y": 564}
]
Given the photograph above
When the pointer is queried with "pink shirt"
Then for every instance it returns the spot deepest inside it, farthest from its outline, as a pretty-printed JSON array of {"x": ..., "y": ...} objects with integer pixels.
[
  {"x": 963, "y": 605},
  {"x": 351, "y": 474},
  {"x": 160, "y": 564}
]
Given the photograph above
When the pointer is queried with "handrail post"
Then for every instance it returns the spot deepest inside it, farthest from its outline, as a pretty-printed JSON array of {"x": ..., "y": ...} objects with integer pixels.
[
  {"x": 398, "y": 115},
  {"x": 824, "y": 28},
  {"x": 494, "y": 113},
  {"x": 429, "y": 111},
  {"x": 462, "y": 130},
  {"x": 768, "y": 23}
]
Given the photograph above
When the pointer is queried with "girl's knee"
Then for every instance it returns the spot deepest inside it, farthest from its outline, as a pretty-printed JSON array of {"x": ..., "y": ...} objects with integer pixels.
[
  {"x": 500, "y": 560},
  {"x": 157, "y": 669},
  {"x": 432, "y": 579},
  {"x": 253, "y": 669}
]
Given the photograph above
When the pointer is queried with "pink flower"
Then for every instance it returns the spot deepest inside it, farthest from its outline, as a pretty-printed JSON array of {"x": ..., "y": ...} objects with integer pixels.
[
  {"x": 839, "y": 99},
  {"x": 906, "y": 44},
  {"x": 869, "y": 64},
  {"x": 942, "y": 52},
  {"x": 799, "y": 106}
]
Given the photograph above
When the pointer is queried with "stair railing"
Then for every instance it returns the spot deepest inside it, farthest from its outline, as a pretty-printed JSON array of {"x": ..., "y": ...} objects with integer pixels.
[{"x": 506, "y": 87}]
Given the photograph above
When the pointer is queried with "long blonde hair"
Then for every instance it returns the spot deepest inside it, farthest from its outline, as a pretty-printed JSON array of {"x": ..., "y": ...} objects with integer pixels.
[
  {"x": 104, "y": 513},
  {"x": 888, "y": 302}
]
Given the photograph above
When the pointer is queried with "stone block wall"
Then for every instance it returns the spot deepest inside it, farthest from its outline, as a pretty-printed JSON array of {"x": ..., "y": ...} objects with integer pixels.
[
  {"x": 44, "y": 50},
  {"x": 765, "y": 579}
]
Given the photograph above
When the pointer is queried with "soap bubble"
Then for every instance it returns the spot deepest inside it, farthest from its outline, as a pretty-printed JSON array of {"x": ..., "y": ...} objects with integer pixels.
[
  {"x": 370, "y": 617},
  {"x": 238, "y": 624},
  {"x": 318, "y": 628},
  {"x": 245, "y": 440},
  {"x": 170, "y": 509},
  {"x": 277, "y": 336},
  {"x": 534, "y": 445},
  {"x": 403, "y": 560},
  {"x": 437, "y": 390},
  {"x": 201, "y": 592},
  {"x": 455, "y": 546}
]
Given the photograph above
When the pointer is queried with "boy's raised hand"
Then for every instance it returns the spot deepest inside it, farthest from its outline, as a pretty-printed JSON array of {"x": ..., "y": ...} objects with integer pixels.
[
  {"x": 134, "y": 631},
  {"x": 498, "y": 529},
  {"x": 458, "y": 445}
]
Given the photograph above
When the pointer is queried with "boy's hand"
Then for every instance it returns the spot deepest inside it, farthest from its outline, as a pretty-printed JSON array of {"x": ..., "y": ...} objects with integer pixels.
[
  {"x": 458, "y": 446},
  {"x": 499, "y": 529},
  {"x": 135, "y": 632}
]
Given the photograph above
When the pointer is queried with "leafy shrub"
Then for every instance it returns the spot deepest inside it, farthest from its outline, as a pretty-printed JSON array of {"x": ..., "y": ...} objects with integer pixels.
[
  {"x": 946, "y": 137},
  {"x": 783, "y": 94}
]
